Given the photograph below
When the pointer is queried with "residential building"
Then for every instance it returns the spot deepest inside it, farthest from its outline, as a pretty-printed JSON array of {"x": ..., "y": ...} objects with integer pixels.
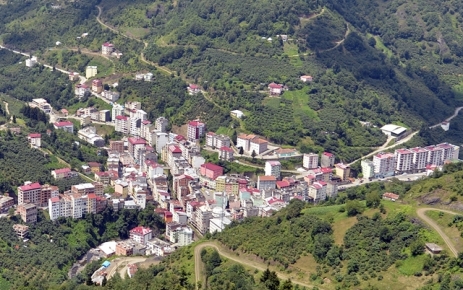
[
  {"x": 331, "y": 189},
  {"x": 196, "y": 130},
  {"x": 230, "y": 185},
  {"x": 420, "y": 158},
  {"x": 456, "y": 152},
  {"x": 42, "y": 104},
  {"x": 447, "y": 151},
  {"x": 117, "y": 110},
  {"x": 317, "y": 191},
  {"x": 105, "y": 115},
  {"x": 124, "y": 249},
  {"x": 193, "y": 89},
  {"x": 211, "y": 171},
  {"x": 161, "y": 124},
  {"x": 275, "y": 89},
  {"x": 73, "y": 76},
  {"x": 226, "y": 153},
  {"x": 97, "y": 86},
  {"x": 327, "y": 159},
  {"x": 343, "y": 171},
  {"x": 200, "y": 219},
  {"x": 266, "y": 182},
  {"x": 285, "y": 152},
  {"x": 61, "y": 173},
  {"x": 141, "y": 235},
  {"x": 89, "y": 135},
  {"x": 6, "y": 202},
  {"x": 390, "y": 196},
  {"x": 122, "y": 124},
  {"x": 258, "y": 146},
  {"x": 273, "y": 168},
  {"x": 368, "y": 169},
  {"x": 384, "y": 164},
  {"x": 135, "y": 145},
  {"x": 404, "y": 160},
  {"x": 83, "y": 188},
  {"x": 217, "y": 141},
  {"x": 116, "y": 146},
  {"x": 306, "y": 78},
  {"x": 30, "y": 62},
  {"x": 67, "y": 126},
  {"x": 28, "y": 212},
  {"x": 21, "y": 230},
  {"x": 35, "y": 139},
  {"x": 435, "y": 155},
  {"x": 160, "y": 140},
  {"x": 29, "y": 192},
  {"x": 111, "y": 95},
  {"x": 107, "y": 48},
  {"x": 237, "y": 113},
  {"x": 91, "y": 71},
  {"x": 310, "y": 161}
]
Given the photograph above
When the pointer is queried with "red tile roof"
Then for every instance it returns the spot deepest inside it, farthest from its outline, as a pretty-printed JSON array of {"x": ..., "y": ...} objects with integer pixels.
[
  {"x": 91, "y": 196},
  {"x": 120, "y": 117},
  {"x": 179, "y": 138},
  {"x": 63, "y": 124},
  {"x": 31, "y": 186},
  {"x": 391, "y": 195},
  {"x": 195, "y": 123},
  {"x": 93, "y": 164},
  {"x": 140, "y": 231},
  {"x": 137, "y": 141},
  {"x": 194, "y": 87},
  {"x": 275, "y": 86},
  {"x": 225, "y": 148},
  {"x": 107, "y": 44},
  {"x": 327, "y": 154},
  {"x": 267, "y": 178},
  {"x": 283, "y": 183},
  {"x": 174, "y": 149},
  {"x": 211, "y": 166},
  {"x": 54, "y": 199},
  {"x": 35, "y": 135},
  {"x": 62, "y": 170}
]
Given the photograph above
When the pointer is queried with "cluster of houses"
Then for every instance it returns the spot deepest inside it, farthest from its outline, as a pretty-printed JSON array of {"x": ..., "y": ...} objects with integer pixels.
[
  {"x": 414, "y": 160},
  {"x": 108, "y": 49},
  {"x": 97, "y": 87}
]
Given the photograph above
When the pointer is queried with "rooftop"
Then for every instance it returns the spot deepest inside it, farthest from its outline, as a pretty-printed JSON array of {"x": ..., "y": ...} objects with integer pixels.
[
  {"x": 137, "y": 141},
  {"x": 63, "y": 124},
  {"x": 31, "y": 186},
  {"x": 267, "y": 178},
  {"x": 141, "y": 231},
  {"x": 62, "y": 170},
  {"x": 35, "y": 135},
  {"x": 211, "y": 166}
]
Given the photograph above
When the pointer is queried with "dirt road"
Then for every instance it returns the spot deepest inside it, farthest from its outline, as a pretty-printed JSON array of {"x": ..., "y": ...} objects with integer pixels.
[
  {"x": 421, "y": 214},
  {"x": 118, "y": 262},
  {"x": 252, "y": 264}
]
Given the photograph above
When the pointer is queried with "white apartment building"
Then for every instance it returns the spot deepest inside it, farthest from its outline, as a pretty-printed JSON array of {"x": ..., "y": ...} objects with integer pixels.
[
  {"x": 317, "y": 191},
  {"x": 310, "y": 161},
  {"x": 420, "y": 158},
  {"x": 435, "y": 155},
  {"x": 217, "y": 141},
  {"x": 404, "y": 160},
  {"x": 273, "y": 168},
  {"x": 60, "y": 206},
  {"x": 368, "y": 169},
  {"x": 159, "y": 140},
  {"x": 122, "y": 124},
  {"x": 78, "y": 205},
  {"x": 447, "y": 151},
  {"x": 384, "y": 164},
  {"x": 161, "y": 124},
  {"x": 117, "y": 110}
]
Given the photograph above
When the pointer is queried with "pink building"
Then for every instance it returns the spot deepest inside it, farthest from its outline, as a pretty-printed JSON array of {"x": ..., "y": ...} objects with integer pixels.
[
  {"x": 193, "y": 89},
  {"x": 135, "y": 145},
  {"x": 97, "y": 86},
  {"x": 196, "y": 130},
  {"x": 211, "y": 170}
]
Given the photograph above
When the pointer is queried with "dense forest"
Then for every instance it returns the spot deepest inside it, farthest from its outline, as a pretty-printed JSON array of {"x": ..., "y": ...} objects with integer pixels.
[{"x": 45, "y": 259}]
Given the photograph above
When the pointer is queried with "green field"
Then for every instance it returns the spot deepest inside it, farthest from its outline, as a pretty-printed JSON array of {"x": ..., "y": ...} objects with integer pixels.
[{"x": 300, "y": 100}]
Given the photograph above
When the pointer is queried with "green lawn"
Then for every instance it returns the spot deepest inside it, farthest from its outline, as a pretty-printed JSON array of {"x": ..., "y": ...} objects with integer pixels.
[
  {"x": 4, "y": 283},
  {"x": 300, "y": 100},
  {"x": 105, "y": 67},
  {"x": 412, "y": 265}
]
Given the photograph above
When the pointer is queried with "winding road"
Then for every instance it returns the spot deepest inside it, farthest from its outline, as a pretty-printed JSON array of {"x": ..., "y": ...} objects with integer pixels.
[
  {"x": 421, "y": 214},
  {"x": 252, "y": 264},
  {"x": 457, "y": 110}
]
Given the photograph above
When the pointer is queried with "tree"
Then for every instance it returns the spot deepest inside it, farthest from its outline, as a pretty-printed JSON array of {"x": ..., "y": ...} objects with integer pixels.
[
  {"x": 14, "y": 119},
  {"x": 241, "y": 152},
  {"x": 287, "y": 285},
  {"x": 417, "y": 248},
  {"x": 372, "y": 199},
  {"x": 253, "y": 154},
  {"x": 106, "y": 87},
  {"x": 354, "y": 207}
]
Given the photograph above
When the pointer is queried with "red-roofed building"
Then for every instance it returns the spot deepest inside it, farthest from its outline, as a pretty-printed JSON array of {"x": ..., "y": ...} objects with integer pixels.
[
  {"x": 122, "y": 124},
  {"x": 391, "y": 196},
  {"x": 327, "y": 159},
  {"x": 61, "y": 173},
  {"x": 80, "y": 90},
  {"x": 275, "y": 89},
  {"x": 67, "y": 126},
  {"x": 97, "y": 86},
  {"x": 29, "y": 193},
  {"x": 141, "y": 235},
  {"x": 94, "y": 166},
  {"x": 193, "y": 89},
  {"x": 266, "y": 182},
  {"x": 283, "y": 184},
  {"x": 35, "y": 139},
  {"x": 65, "y": 112},
  {"x": 306, "y": 78},
  {"x": 226, "y": 153},
  {"x": 179, "y": 138},
  {"x": 135, "y": 145},
  {"x": 211, "y": 170},
  {"x": 107, "y": 48},
  {"x": 317, "y": 191},
  {"x": 196, "y": 130}
]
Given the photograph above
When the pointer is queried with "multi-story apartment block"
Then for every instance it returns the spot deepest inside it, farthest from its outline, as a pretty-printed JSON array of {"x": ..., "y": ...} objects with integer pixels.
[
  {"x": 116, "y": 146},
  {"x": 447, "y": 151},
  {"x": 435, "y": 155},
  {"x": 317, "y": 191},
  {"x": 230, "y": 185},
  {"x": 141, "y": 235},
  {"x": 83, "y": 188},
  {"x": 107, "y": 48},
  {"x": 135, "y": 145},
  {"x": 196, "y": 130},
  {"x": 266, "y": 182},
  {"x": 97, "y": 86},
  {"x": 273, "y": 168},
  {"x": 404, "y": 160},
  {"x": 384, "y": 164},
  {"x": 117, "y": 110},
  {"x": 67, "y": 126},
  {"x": 211, "y": 171},
  {"x": 161, "y": 124},
  {"x": 35, "y": 139},
  {"x": 226, "y": 153},
  {"x": 343, "y": 171},
  {"x": 420, "y": 158},
  {"x": 6, "y": 202},
  {"x": 200, "y": 219},
  {"x": 28, "y": 212},
  {"x": 217, "y": 141},
  {"x": 29, "y": 193},
  {"x": 368, "y": 169},
  {"x": 122, "y": 124},
  {"x": 159, "y": 140},
  {"x": 327, "y": 159},
  {"x": 310, "y": 161}
]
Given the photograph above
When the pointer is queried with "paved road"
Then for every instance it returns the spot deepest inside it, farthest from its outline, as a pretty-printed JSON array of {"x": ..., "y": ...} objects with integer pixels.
[
  {"x": 252, "y": 264},
  {"x": 457, "y": 110},
  {"x": 382, "y": 148},
  {"x": 421, "y": 214}
]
